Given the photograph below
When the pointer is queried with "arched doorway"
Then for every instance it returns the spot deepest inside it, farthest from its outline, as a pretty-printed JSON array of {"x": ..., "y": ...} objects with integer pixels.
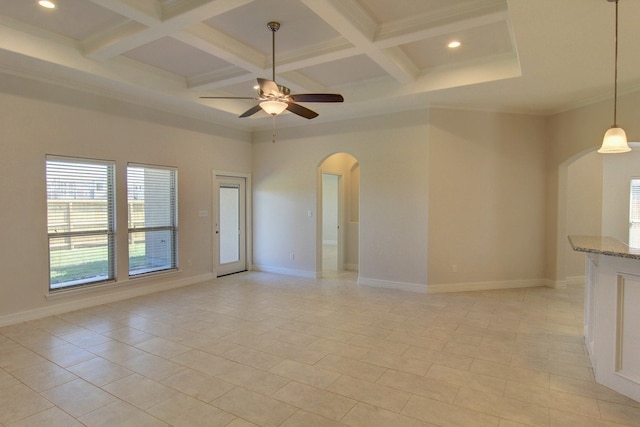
[
  {"x": 593, "y": 200},
  {"x": 583, "y": 190},
  {"x": 338, "y": 227}
]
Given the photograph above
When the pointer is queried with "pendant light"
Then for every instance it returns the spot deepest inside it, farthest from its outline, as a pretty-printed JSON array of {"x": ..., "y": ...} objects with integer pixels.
[{"x": 615, "y": 139}]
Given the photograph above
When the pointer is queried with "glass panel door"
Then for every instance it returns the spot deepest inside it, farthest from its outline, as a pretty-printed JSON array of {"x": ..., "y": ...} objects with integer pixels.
[{"x": 231, "y": 225}]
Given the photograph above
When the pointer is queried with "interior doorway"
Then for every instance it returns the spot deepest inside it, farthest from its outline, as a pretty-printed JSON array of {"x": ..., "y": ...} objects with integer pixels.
[{"x": 338, "y": 219}]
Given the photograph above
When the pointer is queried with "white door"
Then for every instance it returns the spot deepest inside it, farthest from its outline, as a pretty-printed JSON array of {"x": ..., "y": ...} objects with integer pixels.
[{"x": 231, "y": 225}]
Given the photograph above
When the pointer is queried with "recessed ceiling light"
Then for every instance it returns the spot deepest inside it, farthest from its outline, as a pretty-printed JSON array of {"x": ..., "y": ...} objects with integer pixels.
[
  {"x": 47, "y": 4},
  {"x": 454, "y": 44}
]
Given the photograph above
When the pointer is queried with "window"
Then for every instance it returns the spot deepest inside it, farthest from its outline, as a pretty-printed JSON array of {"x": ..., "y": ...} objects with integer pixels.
[
  {"x": 153, "y": 219},
  {"x": 80, "y": 221},
  {"x": 634, "y": 213}
]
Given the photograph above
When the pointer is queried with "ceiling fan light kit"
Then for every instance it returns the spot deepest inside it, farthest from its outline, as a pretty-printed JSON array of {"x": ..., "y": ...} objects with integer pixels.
[
  {"x": 273, "y": 107},
  {"x": 274, "y": 99},
  {"x": 615, "y": 139}
]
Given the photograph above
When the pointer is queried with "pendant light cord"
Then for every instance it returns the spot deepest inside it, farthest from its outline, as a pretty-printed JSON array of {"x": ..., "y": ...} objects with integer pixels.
[{"x": 615, "y": 79}]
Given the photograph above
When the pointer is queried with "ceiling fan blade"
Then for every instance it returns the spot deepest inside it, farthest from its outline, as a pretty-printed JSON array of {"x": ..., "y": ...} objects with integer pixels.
[
  {"x": 268, "y": 87},
  {"x": 317, "y": 97},
  {"x": 227, "y": 97},
  {"x": 251, "y": 111},
  {"x": 301, "y": 111}
]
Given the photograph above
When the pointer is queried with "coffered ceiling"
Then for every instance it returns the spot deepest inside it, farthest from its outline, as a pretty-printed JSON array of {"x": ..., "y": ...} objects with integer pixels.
[{"x": 532, "y": 56}]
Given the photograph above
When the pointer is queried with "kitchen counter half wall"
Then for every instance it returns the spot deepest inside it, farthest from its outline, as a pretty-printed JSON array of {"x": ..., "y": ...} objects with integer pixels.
[{"x": 603, "y": 245}]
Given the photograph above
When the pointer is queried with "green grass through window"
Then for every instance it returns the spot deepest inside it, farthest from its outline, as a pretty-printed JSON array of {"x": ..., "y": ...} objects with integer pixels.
[{"x": 93, "y": 265}]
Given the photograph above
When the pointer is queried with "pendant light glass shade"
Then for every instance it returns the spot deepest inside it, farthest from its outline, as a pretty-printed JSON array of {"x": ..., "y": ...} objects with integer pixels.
[
  {"x": 273, "y": 107},
  {"x": 614, "y": 141}
]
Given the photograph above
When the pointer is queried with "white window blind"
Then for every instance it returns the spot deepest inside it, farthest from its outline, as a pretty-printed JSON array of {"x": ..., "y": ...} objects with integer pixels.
[
  {"x": 153, "y": 219},
  {"x": 634, "y": 213},
  {"x": 80, "y": 221}
]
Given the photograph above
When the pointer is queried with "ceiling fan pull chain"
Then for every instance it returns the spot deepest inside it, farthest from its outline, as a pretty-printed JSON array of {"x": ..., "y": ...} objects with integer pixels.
[{"x": 273, "y": 135}]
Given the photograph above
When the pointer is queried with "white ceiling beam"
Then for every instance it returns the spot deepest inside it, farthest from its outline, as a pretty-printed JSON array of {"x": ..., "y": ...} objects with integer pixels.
[
  {"x": 178, "y": 16},
  {"x": 188, "y": 12},
  {"x": 298, "y": 82},
  {"x": 145, "y": 12},
  {"x": 219, "y": 79},
  {"x": 399, "y": 33},
  {"x": 119, "y": 39},
  {"x": 216, "y": 43},
  {"x": 352, "y": 21},
  {"x": 321, "y": 53},
  {"x": 294, "y": 80},
  {"x": 52, "y": 54}
]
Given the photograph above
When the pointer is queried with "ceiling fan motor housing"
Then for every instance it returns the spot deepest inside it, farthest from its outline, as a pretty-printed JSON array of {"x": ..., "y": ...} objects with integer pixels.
[
  {"x": 271, "y": 92},
  {"x": 275, "y": 26}
]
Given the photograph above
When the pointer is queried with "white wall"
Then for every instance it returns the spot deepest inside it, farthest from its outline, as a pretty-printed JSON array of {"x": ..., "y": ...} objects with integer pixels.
[
  {"x": 392, "y": 154},
  {"x": 39, "y": 119}
]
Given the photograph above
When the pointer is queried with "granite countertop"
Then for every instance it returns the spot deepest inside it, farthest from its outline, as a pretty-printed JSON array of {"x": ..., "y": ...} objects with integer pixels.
[{"x": 603, "y": 245}]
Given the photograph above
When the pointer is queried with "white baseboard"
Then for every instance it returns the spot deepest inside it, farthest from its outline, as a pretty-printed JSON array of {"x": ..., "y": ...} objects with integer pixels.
[
  {"x": 555, "y": 284},
  {"x": 402, "y": 286},
  {"x": 576, "y": 280},
  {"x": 287, "y": 271},
  {"x": 351, "y": 267},
  {"x": 484, "y": 286},
  {"x": 102, "y": 298}
]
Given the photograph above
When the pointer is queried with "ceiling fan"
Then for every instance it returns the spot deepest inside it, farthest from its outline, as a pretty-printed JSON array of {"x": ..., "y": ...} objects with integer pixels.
[{"x": 274, "y": 98}]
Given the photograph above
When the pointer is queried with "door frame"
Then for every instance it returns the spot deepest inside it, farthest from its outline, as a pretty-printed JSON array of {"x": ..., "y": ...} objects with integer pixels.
[{"x": 216, "y": 213}]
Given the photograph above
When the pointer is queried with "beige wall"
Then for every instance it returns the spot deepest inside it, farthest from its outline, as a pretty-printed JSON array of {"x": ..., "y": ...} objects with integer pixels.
[
  {"x": 440, "y": 191},
  {"x": 39, "y": 119},
  {"x": 584, "y": 207},
  {"x": 393, "y": 158},
  {"x": 486, "y": 200},
  {"x": 484, "y": 194},
  {"x": 573, "y": 134}
]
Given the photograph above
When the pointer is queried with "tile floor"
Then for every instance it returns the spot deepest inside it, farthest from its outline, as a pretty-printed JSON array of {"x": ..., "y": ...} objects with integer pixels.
[{"x": 269, "y": 350}]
